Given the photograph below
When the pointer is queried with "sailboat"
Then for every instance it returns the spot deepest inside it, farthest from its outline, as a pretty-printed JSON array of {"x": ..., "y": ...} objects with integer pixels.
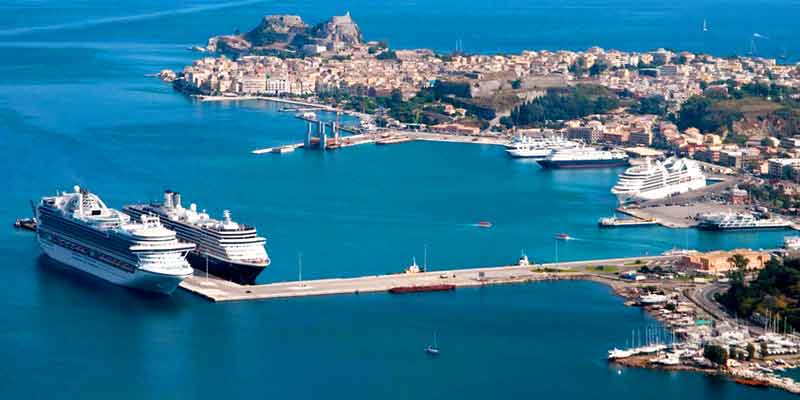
[
  {"x": 705, "y": 26},
  {"x": 433, "y": 350}
]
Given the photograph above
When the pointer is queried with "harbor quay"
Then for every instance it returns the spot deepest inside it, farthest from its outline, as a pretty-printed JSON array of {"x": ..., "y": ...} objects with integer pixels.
[
  {"x": 387, "y": 137},
  {"x": 219, "y": 290}
]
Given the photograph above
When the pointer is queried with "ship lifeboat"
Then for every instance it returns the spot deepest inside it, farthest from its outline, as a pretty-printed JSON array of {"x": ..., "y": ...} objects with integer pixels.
[
  {"x": 563, "y": 236},
  {"x": 485, "y": 224}
]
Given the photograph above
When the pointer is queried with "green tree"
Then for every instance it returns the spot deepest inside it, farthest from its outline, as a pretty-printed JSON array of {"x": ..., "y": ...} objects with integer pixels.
[
  {"x": 598, "y": 68},
  {"x": 738, "y": 269},
  {"x": 650, "y": 105},
  {"x": 751, "y": 351},
  {"x": 716, "y": 354},
  {"x": 387, "y": 55},
  {"x": 579, "y": 67}
]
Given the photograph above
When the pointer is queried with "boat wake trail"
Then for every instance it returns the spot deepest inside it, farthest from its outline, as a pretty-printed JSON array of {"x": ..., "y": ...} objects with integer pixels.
[{"x": 125, "y": 18}]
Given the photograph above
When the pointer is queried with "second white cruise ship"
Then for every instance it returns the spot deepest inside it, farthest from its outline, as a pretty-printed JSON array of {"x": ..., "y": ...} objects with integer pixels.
[
  {"x": 657, "y": 180},
  {"x": 228, "y": 249},
  {"x": 538, "y": 148},
  {"x": 77, "y": 229}
]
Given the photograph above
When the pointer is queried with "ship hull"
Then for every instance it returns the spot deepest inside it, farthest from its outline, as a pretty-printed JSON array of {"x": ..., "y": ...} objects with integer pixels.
[
  {"x": 582, "y": 164},
  {"x": 138, "y": 279},
  {"x": 421, "y": 289},
  {"x": 532, "y": 155},
  {"x": 243, "y": 274},
  {"x": 713, "y": 227}
]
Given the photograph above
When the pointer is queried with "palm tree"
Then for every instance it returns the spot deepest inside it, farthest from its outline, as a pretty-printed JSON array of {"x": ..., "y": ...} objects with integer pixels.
[{"x": 738, "y": 269}]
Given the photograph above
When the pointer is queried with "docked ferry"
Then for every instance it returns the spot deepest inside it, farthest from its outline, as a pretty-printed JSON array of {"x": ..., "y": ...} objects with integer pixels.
[
  {"x": 225, "y": 248},
  {"x": 739, "y": 221},
  {"x": 657, "y": 180},
  {"x": 585, "y": 157},
  {"x": 79, "y": 230}
]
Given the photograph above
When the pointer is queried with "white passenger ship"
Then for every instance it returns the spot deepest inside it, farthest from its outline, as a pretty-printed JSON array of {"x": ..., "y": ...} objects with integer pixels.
[
  {"x": 228, "y": 249},
  {"x": 585, "y": 157},
  {"x": 657, "y": 180},
  {"x": 537, "y": 148},
  {"x": 740, "y": 221},
  {"x": 77, "y": 229}
]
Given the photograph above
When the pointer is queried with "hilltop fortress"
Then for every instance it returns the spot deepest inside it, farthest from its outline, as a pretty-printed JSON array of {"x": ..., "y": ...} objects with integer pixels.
[{"x": 289, "y": 35}]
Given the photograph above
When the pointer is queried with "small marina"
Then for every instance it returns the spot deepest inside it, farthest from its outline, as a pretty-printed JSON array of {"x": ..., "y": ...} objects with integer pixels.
[{"x": 756, "y": 354}]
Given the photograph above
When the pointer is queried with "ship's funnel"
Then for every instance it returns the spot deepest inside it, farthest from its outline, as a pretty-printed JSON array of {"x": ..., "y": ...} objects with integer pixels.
[
  {"x": 168, "y": 199},
  {"x": 176, "y": 198}
]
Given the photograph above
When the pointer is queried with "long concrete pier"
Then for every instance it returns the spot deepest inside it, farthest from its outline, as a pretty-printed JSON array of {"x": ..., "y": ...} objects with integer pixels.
[
  {"x": 394, "y": 137},
  {"x": 217, "y": 290}
]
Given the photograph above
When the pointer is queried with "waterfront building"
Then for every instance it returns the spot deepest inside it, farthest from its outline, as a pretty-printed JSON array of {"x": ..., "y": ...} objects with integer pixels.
[
  {"x": 456, "y": 128},
  {"x": 641, "y": 136},
  {"x": 252, "y": 84},
  {"x": 717, "y": 262},
  {"x": 738, "y": 197},
  {"x": 585, "y": 134}
]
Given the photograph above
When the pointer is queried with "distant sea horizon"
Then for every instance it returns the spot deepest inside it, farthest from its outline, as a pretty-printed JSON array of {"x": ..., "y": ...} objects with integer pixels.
[{"x": 735, "y": 28}]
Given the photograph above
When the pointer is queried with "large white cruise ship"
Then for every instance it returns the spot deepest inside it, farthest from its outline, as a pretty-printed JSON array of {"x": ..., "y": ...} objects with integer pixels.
[
  {"x": 77, "y": 229},
  {"x": 657, "y": 180},
  {"x": 228, "y": 249},
  {"x": 538, "y": 148}
]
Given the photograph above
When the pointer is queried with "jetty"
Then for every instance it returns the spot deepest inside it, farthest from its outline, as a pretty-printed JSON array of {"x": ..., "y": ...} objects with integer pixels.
[
  {"x": 316, "y": 137},
  {"x": 220, "y": 290}
]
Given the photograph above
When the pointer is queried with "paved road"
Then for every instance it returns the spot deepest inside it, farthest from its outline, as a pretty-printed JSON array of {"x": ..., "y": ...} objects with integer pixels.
[{"x": 704, "y": 297}]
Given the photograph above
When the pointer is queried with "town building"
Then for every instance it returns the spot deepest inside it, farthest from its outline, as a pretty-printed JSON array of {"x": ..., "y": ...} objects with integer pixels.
[
  {"x": 719, "y": 262},
  {"x": 780, "y": 168}
]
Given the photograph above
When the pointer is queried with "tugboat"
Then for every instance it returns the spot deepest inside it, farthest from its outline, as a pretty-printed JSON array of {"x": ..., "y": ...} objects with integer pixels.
[
  {"x": 26, "y": 223},
  {"x": 413, "y": 268}
]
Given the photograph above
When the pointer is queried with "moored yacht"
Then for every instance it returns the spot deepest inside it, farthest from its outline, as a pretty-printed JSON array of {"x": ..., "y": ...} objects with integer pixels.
[
  {"x": 226, "y": 248},
  {"x": 77, "y": 229}
]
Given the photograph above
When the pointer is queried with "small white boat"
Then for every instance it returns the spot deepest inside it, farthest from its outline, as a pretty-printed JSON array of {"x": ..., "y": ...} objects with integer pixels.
[
  {"x": 616, "y": 354},
  {"x": 434, "y": 349}
]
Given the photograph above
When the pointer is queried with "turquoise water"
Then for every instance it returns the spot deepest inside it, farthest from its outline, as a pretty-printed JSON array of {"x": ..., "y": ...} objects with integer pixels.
[{"x": 75, "y": 107}]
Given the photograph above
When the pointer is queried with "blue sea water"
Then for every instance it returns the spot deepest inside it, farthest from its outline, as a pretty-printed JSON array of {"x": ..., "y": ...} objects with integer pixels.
[{"x": 76, "y": 107}]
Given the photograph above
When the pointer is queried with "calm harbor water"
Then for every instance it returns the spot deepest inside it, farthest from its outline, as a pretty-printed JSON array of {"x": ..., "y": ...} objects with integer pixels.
[{"x": 75, "y": 107}]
